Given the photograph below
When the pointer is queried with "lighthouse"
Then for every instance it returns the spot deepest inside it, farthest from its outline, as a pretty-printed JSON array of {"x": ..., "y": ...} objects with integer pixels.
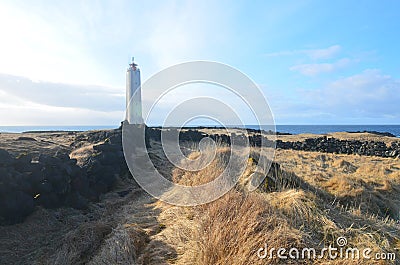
[{"x": 133, "y": 94}]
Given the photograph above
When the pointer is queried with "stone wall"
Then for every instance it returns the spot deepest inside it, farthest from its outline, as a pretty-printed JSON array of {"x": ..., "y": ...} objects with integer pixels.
[{"x": 333, "y": 145}]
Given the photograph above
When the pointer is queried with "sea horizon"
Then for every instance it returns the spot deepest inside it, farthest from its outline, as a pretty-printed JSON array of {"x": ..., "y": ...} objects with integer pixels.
[{"x": 292, "y": 128}]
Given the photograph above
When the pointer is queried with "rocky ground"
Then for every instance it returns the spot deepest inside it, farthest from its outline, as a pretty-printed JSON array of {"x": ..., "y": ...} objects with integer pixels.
[
  {"x": 56, "y": 169},
  {"x": 68, "y": 198},
  {"x": 358, "y": 143}
]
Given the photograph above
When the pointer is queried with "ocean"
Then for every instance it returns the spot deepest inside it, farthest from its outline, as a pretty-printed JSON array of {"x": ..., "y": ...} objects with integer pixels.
[{"x": 293, "y": 129}]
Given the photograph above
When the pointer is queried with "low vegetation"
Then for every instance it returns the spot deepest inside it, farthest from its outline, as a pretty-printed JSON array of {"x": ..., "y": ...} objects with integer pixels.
[
  {"x": 292, "y": 209},
  {"x": 306, "y": 200}
]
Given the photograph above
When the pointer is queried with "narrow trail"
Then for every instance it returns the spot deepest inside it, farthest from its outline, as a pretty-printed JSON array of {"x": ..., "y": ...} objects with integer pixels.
[
  {"x": 134, "y": 234},
  {"x": 127, "y": 225},
  {"x": 145, "y": 221}
]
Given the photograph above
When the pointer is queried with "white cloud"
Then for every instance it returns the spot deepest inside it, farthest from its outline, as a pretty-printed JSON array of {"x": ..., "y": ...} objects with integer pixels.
[
  {"x": 370, "y": 97},
  {"x": 42, "y": 115},
  {"x": 84, "y": 43},
  {"x": 27, "y": 102},
  {"x": 326, "y": 53},
  {"x": 74, "y": 50},
  {"x": 315, "y": 54},
  {"x": 370, "y": 89},
  {"x": 98, "y": 98},
  {"x": 318, "y": 68},
  {"x": 369, "y": 94},
  {"x": 34, "y": 48}
]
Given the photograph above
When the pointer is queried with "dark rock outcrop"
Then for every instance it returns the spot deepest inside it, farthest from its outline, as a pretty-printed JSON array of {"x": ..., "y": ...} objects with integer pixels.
[
  {"x": 24, "y": 138},
  {"x": 53, "y": 181},
  {"x": 376, "y": 133}
]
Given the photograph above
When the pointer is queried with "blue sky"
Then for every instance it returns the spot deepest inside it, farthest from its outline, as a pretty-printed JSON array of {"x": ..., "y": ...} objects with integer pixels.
[{"x": 317, "y": 62}]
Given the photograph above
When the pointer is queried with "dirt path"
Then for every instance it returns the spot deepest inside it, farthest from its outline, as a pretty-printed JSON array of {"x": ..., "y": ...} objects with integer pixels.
[
  {"x": 134, "y": 239},
  {"x": 122, "y": 228},
  {"x": 140, "y": 226}
]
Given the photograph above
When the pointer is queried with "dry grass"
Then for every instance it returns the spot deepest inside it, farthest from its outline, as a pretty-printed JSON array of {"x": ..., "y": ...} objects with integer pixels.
[
  {"x": 122, "y": 247},
  {"x": 298, "y": 206},
  {"x": 370, "y": 184},
  {"x": 81, "y": 154},
  {"x": 35, "y": 239},
  {"x": 209, "y": 173},
  {"x": 80, "y": 245},
  {"x": 291, "y": 209},
  {"x": 307, "y": 199},
  {"x": 231, "y": 230}
]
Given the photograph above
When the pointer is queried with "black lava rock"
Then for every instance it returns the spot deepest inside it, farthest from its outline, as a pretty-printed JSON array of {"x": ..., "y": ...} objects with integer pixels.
[
  {"x": 15, "y": 205},
  {"x": 5, "y": 158}
]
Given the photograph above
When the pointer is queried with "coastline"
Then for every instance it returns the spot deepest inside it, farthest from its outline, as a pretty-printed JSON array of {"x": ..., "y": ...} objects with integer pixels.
[
  {"x": 280, "y": 129},
  {"x": 351, "y": 141},
  {"x": 92, "y": 202}
]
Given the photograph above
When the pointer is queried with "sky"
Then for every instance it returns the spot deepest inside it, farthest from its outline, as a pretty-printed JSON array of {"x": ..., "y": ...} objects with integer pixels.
[{"x": 317, "y": 62}]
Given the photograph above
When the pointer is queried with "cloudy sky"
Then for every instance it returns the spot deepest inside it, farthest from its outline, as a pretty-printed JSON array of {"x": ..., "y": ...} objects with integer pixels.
[{"x": 317, "y": 62}]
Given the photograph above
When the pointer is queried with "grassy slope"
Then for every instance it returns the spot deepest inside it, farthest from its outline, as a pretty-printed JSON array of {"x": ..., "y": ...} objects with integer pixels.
[{"x": 323, "y": 197}]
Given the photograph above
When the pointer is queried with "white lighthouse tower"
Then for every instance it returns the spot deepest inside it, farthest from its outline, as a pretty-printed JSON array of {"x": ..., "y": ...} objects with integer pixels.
[{"x": 133, "y": 95}]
